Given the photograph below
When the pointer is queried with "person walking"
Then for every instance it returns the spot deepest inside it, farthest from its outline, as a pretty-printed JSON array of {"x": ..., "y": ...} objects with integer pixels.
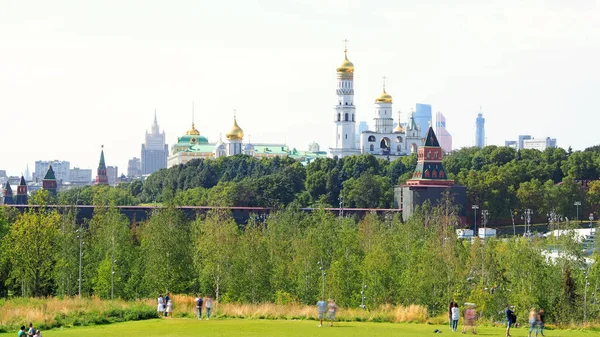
[
  {"x": 167, "y": 299},
  {"x": 470, "y": 318},
  {"x": 209, "y": 305},
  {"x": 321, "y": 309},
  {"x": 541, "y": 317},
  {"x": 169, "y": 312},
  {"x": 533, "y": 319},
  {"x": 332, "y": 310},
  {"x": 455, "y": 316},
  {"x": 161, "y": 305},
  {"x": 510, "y": 319},
  {"x": 199, "y": 302}
]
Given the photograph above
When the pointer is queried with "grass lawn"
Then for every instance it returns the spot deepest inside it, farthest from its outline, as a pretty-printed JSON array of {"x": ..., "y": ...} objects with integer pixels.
[{"x": 267, "y": 328}]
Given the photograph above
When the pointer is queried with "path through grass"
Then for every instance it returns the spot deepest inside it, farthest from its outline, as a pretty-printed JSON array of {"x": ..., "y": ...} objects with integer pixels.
[{"x": 276, "y": 328}]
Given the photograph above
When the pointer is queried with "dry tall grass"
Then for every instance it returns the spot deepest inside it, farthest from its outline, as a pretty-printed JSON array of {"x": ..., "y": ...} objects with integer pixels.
[{"x": 185, "y": 306}]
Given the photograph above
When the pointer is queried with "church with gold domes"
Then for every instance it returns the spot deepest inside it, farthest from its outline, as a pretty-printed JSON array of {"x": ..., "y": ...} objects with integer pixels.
[
  {"x": 384, "y": 140},
  {"x": 193, "y": 145}
]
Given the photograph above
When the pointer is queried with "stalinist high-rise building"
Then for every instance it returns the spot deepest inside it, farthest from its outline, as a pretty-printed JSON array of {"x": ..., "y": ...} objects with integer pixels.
[
  {"x": 344, "y": 116},
  {"x": 155, "y": 150}
]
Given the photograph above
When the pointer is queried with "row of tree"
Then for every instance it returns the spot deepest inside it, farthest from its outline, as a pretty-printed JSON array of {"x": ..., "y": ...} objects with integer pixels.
[{"x": 279, "y": 259}]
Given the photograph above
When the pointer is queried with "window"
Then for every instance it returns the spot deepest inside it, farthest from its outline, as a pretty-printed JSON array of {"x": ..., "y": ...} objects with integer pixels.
[
  {"x": 346, "y": 117},
  {"x": 353, "y": 117},
  {"x": 371, "y": 139},
  {"x": 346, "y": 103},
  {"x": 371, "y": 147},
  {"x": 398, "y": 148},
  {"x": 339, "y": 116},
  {"x": 399, "y": 139}
]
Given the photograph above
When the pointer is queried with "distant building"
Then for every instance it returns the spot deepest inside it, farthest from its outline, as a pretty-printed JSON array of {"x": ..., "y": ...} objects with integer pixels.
[
  {"x": 442, "y": 133},
  {"x": 539, "y": 144},
  {"x": 112, "y": 172},
  {"x": 3, "y": 174},
  {"x": 480, "y": 131},
  {"x": 81, "y": 176},
  {"x": 511, "y": 143},
  {"x": 522, "y": 139},
  {"x": 61, "y": 170},
  {"x": 423, "y": 118},
  {"x": 134, "y": 168},
  {"x": 155, "y": 150}
]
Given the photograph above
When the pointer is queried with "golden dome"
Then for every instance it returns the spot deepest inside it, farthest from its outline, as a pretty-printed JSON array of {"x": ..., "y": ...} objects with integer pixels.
[
  {"x": 346, "y": 66},
  {"x": 384, "y": 97},
  {"x": 192, "y": 131},
  {"x": 236, "y": 133},
  {"x": 398, "y": 128}
]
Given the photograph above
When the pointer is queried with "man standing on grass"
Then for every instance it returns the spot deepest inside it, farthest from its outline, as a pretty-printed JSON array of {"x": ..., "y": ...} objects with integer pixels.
[
  {"x": 31, "y": 330},
  {"x": 199, "y": 302},
  {"x": 322, "y": 308},
  {"x": 22, "y": 332},
  {"x": 332, "y": 310}
]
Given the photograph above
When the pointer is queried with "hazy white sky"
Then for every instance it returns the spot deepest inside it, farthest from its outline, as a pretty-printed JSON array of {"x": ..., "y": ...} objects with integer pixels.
[{"x": 78, "y": 74}]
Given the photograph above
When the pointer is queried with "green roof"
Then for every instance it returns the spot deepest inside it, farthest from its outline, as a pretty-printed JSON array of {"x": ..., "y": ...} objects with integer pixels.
[
  {"x": 102, "y": 164},
  {"x": 50, "y": 173},
  {"x": 22, "y": 183}
]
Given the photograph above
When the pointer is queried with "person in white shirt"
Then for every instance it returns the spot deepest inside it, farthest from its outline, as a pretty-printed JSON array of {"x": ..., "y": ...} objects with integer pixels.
[{"x": 455, "y": 316}]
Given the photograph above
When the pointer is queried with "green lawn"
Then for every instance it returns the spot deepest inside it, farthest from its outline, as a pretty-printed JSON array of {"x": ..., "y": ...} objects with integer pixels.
[{"x": 267, "y": 328}]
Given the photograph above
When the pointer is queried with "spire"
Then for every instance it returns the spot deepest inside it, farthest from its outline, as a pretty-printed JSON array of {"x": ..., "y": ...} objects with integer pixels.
[
  {"x": 7, "y": 189},
  {"x": 50, "y": 174},
  {"x": 155, "y": 120},
  {"x": 22, "y": 183},
  {"x": 102, "y": 164}
]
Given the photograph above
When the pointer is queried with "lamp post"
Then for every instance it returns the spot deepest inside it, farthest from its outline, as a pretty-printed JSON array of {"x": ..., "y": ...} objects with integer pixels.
[
  {"x": 591, "y": 217},
  {"x": 528, "y": 214},
  {"x": 363, "y": 297},
  {"x": 475, "y": 208},
  {"x": 323, "y": 273},
  {"x": 484, "y": 219},
  {"x": 341, "y": 206},
  {"x": 81, "y": 243},
  {"x": 512, "y": 217},
  {"x": 577, "y": 204}
]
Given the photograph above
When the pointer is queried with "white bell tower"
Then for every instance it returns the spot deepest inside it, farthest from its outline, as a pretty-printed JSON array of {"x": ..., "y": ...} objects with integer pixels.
[
  {"x": 384, "y": 122},
  {"x": 345, "y": 112}
]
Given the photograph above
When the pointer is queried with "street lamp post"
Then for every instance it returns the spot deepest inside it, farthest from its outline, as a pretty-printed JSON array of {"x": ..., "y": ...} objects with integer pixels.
[
  {"x": 484, "y": 219},
  {"x": 341, "y": 206},
  {"x": 475, "y": 208},
  {"x": 323, "y": 273},
  {"x": 591, "y": 219},
  {"x": 512, "y": 217},
  {"x": 81, "y": 243},
  {"x": 528, "y": 214},
  {"x": 363, "y": 297},
  {"x": 577, "y": 204}
]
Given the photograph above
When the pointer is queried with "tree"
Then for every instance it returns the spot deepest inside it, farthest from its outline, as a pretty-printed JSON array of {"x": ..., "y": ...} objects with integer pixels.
[{"x": 368, "y": 191}]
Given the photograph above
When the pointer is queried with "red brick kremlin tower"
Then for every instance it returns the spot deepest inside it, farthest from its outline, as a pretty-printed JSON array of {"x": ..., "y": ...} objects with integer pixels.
[
  {"x": 429, "y": 181},
  {"x": 101, "y": 176},
  {"x": 49, "y": 182},
  {"x": 22, "y": 192},
  {"x": 7, "y": 195}
]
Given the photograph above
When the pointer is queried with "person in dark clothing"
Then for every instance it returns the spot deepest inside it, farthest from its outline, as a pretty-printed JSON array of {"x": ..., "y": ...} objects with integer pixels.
[
  {"x": 541, "y": 318},
  {"x": 450, "y": 306},
  {"x": 510, "y": 319},
  {"x": 167, "y": 298}
]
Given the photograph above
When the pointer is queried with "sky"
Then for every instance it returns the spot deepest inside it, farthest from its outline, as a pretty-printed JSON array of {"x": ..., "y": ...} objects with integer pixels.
[{"x": 75, "y": 75}]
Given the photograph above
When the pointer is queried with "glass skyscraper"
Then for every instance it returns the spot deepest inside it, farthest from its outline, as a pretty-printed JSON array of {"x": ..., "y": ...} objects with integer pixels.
[
  {"x": 480, "y": 131},
  {"x": 423, "y": 118}
]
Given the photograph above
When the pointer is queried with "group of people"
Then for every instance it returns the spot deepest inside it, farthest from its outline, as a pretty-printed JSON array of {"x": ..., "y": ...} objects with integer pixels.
[
  {"x": 165, "y": 306},
  {"x": 330, "y": 307},
  {"x": 31, "y": 332},
  {"x": 470, "y": 317},
  {"x": 536, "y": 320},
  {"x": 206, "y": 302}
]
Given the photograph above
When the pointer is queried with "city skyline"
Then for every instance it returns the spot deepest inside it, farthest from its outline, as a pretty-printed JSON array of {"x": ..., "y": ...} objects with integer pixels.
[{"x": 86, "y": 84}]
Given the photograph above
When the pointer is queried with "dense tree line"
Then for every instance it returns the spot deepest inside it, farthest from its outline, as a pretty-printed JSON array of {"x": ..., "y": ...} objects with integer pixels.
[{"x": 277, "y": 260}]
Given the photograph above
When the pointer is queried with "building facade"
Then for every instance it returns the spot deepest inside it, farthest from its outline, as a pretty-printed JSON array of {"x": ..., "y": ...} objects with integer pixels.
[
  {"x": 112, "y": 173},
  {"x": 134, "y": 168},
  {"x": 539, "y": 144},
  {"x": 444, "y": 137},
  {"x": 522, "y": 139},
  {"x": 480, "y": 131},
  {"x": 81, "y": 176},
  {"x": 62, "y": 170},
  {"x": 154, "y": 150}
]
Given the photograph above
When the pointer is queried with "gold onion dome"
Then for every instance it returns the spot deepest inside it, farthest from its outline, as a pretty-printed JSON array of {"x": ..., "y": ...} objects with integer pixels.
[
  {"x": 346, "y": 66},
  {"x": 193, "y": 131},
  {"x": 384, "y": 97},
  {"x": 236, "y": 133},
  {"x": 398, "y": 128}
]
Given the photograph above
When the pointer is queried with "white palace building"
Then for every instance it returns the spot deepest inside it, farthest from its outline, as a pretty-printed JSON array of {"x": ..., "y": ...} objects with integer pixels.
[{"x": 384, "y": 141}]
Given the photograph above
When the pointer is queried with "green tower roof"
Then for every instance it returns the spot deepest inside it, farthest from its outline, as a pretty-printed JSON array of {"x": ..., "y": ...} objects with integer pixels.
[
  {"x": 50, "y": 174},
  {"x": 22, "y": 183},
  {"x": 102, "y": 164},
  {"x": 431, "y": 139}
]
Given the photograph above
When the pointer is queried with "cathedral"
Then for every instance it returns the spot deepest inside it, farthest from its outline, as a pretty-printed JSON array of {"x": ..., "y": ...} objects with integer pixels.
[{"x": 384, "y": 141}]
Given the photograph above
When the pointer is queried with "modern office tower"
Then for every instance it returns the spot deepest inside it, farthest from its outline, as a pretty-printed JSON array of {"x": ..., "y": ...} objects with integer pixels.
[
  {"x": 539, "y": 144},
  {"x": 61, "y": 170},
  {"x": 480, "y": 131},
  {"x": 134, "y": 168},
  {"x": 442, "y": 133},
  {"x": 522, "y": 139},
  {"x": 423, "y": 118},
  {"x": 155, "y": 150}
]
